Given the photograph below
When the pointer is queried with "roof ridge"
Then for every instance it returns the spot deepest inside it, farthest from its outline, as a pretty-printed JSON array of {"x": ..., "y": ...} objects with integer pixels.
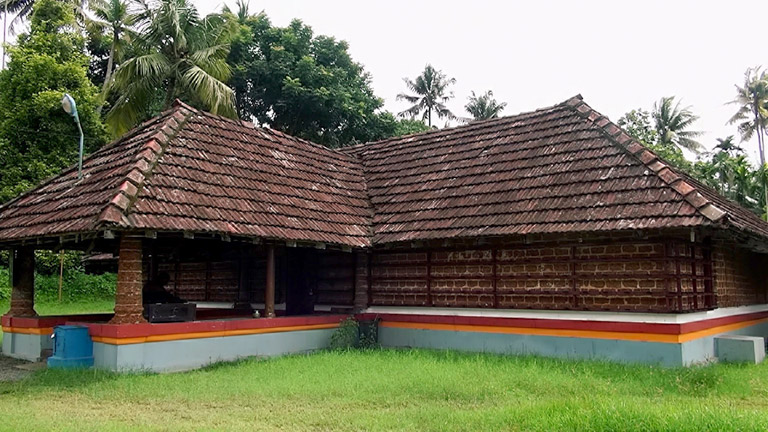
[
  {"x": 649, "y": 159},
  {"x": 146, "y": 159},
  {"x": 446, "y": 130}
]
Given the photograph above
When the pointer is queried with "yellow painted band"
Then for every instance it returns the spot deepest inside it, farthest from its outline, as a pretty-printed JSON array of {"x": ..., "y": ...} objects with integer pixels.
[
  {"x": 640, "y": 337},
  {"x": 29, "y": 330},
  {"x": 210, "y": 334}
]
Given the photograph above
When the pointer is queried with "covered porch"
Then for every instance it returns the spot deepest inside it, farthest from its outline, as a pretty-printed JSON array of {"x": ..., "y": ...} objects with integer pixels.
[{"x": 250, "y": 298}]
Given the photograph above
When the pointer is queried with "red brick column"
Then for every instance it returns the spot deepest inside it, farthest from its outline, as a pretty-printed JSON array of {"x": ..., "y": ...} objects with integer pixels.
[
  {"x": 361, "y": 280},
  {"x": 128, "y": 304},
  {"x": 23, "y": 283}
]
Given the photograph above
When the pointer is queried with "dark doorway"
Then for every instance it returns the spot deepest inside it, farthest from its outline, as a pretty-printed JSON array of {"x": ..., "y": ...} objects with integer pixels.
[{"x": 301, "y": 281}]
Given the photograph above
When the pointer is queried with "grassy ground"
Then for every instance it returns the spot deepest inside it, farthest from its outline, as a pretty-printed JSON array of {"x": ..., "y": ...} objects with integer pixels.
[
  {"x": 67, "y": 308},
  {"x": 394, "y": 390}
]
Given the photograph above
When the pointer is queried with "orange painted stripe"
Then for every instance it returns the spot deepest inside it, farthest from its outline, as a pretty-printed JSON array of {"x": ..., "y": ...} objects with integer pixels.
[
  {"x": 641, "y": 337},
  {"x": 210, "y": 334},
  {"x": 29, "y": 330}
]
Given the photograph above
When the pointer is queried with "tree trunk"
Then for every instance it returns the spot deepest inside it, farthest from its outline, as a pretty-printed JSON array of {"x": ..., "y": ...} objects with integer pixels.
[
  {"x": 107, "y": 75},
  {"x": 169, "y": 94},
  {"x": 760, "y": 132}
]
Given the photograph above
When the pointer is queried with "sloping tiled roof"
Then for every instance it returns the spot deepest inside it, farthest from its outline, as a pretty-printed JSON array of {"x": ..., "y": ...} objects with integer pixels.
[
  {"x": 192, "y": 171},
  {"x": 560, "y": 169}
]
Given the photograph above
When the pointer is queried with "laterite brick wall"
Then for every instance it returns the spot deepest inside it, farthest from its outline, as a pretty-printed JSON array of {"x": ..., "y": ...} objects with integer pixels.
[
  {"x": 617, "y": 274},
  {"x": 741, "y": 277}
]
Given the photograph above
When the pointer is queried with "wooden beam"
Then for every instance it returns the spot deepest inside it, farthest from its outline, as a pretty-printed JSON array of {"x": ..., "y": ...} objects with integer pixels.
[{"x": 269, "y": 291}]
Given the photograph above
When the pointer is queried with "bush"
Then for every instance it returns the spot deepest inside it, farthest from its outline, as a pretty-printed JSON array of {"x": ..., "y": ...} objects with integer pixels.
[
  {"x": 77, "y": 286},
  {"x": 352, "y": 334}
]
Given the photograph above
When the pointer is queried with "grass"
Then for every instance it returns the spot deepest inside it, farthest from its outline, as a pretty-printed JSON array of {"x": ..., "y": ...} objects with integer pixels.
[
  {"x": 394, "y": 390},
  {"x": 383, "y": 390},
  {"x": 53, "y": 307}
]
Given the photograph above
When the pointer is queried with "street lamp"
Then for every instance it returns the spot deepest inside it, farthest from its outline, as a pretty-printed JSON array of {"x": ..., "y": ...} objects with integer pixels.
[{"x": 71, "y": 108}]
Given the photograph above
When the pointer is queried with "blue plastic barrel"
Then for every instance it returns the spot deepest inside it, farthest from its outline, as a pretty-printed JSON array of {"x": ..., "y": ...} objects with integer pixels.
[{"x": 72, "y": 347}]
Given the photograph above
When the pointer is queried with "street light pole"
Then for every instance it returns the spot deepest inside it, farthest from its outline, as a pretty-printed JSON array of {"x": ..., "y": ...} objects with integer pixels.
[
  {"x": 71, "y": 108},
  {"x": 5, "y": 30}
]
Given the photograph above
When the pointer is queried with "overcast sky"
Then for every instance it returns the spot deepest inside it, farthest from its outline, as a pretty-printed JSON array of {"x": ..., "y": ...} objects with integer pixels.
[{"x": 618, "y": 55}]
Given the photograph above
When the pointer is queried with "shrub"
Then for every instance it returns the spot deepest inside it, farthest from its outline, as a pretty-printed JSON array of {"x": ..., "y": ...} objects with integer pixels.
[
  {"x": 77, "y": 286},
  {"x": 352, "y": 334}
]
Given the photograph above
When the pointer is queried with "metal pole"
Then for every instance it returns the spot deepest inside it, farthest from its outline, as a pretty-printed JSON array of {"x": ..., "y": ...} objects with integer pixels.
[
  {"x": 80, "y": 159},
  {"x": 5, "y": 30}
]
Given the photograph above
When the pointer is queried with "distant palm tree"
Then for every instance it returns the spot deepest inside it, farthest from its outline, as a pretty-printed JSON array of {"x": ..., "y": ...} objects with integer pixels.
[
  {"x": 672, "y": 123},
  {"x": 116, "y": 17},
  {"x": 431, "y": 94},
  {"x": 484, "y": 106},
  {"x": 727, "y": 145},
  {"x": 752, "y": 113},
  {"x": 184, "y": 57}
]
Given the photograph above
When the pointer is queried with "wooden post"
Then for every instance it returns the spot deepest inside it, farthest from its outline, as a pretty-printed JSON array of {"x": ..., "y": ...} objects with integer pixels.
[
  {"x": 128, "y": 298},
  {"x": 61, "y": 273},
  {"x": 269, "y": 291},
  {"x": 22, "y": 282}
]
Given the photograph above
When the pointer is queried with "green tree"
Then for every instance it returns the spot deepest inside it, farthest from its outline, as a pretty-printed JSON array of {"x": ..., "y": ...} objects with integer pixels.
[
  {"x": 182, "y": 56},
  {"x": 637, "y": 123},
  {"x": 430, "y": 95},
  {"x": 115, "y": 18},
  {"x": 672, "y": 124},
  {"x": 751, "y": 117},
  {"x": 37, "y": 138},
  {"x": 22, "y": 9},
  {"x": 484, "y": 106},
  {"x": 303, "y": 84}
]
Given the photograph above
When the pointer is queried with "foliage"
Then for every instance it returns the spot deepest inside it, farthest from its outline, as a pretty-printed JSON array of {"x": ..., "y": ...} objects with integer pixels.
[
  {"x": 115, "y": 18},
  {"x": 77, "y": 286},
  {"x": 751, "y": 117},
  {"x": 303, "y": 84},
  {"x": 24, "y": 9},
  {"x": 484, "y": 106},
  {"x": 430, "y": 93},
  {"x": 37, "y": 138},
  {"x": 354, "y": 334},
  {"x": 727, "y": 169},
  {"x": 346, "y": 336},
  {"x": 181, "y": 56},
  {"x": 395, "y": 390},
  {"x": 672, "y": 125}
]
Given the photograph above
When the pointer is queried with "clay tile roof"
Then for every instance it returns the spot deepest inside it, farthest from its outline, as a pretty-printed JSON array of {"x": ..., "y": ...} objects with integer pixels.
[
  {"x": 565, "y": 168},
  {"x": 188, "y": 170}
]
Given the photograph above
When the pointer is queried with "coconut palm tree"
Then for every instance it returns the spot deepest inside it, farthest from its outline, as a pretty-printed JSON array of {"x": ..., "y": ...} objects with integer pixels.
[
  {"x": 752, "y": 114},
  {"x": 484, "y": 106},
  {"x": 431, "y": 94},
  {"x": 183, "y": 56},
  {"x": 672, "y": 123},
  {"x": 116, "y": 17}
]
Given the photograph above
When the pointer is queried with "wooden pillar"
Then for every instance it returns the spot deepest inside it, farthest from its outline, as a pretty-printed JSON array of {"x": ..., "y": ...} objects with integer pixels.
[
  {"x": 269, "y": 291},
  {"x": 360, "y": 280},
  {"x": 22, "y": 282},
  {"x": 128, "y": 299}
]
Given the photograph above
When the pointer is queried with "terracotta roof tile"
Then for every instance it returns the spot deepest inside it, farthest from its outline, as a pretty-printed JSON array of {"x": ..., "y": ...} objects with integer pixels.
[{"x": 566, "y": 168}]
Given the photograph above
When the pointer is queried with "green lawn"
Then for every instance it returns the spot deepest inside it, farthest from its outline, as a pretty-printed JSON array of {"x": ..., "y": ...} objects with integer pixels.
[{"x": 394, "y": 390}]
